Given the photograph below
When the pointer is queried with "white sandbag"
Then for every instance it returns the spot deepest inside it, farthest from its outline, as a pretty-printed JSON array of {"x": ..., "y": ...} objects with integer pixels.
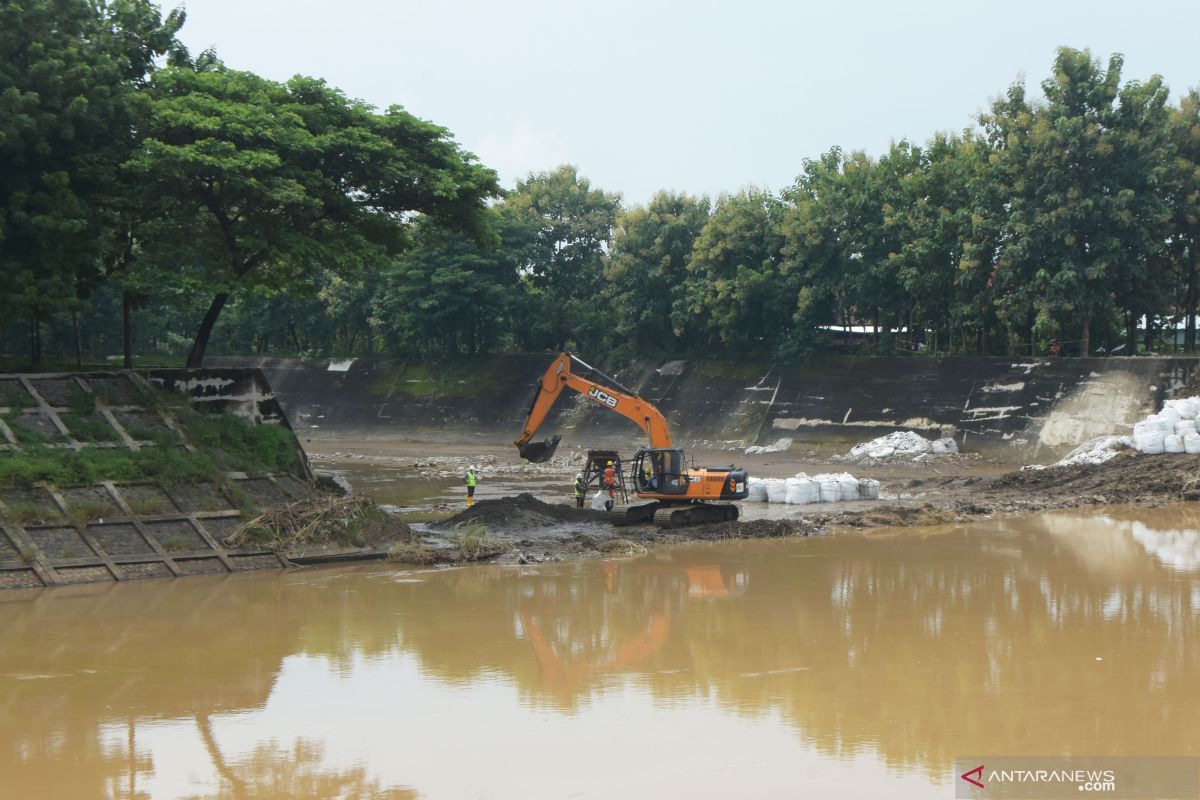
[
  {"x": 1185, "y": 426},
  {"x": 1152, "y": 449},
  {"x": 868, "y": 488},
  {"x": 776, "y": 491},
  {"x": 948, "y": 443},
  {"x": 757, "y": 489},
  {"x": 1169, "y": 414},
  {"x": 897, "y": 443},
  {"x": 1173, "y": 444},
  {"x": 1150, "y": 439},
  {"x": 1189, "y": 408},
  {"x": 937, "y": 447},
  {"x": 830, "y": 490},
  {"x": 801, "y": 491},
  {"x": 601, "y": 501},
  {"x": 848, "y": 489},
  {"x": 1191, "y": 444}
]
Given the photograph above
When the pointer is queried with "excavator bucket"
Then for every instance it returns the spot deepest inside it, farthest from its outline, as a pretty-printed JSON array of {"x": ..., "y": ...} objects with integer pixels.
[{"x": 538, "y": 452}]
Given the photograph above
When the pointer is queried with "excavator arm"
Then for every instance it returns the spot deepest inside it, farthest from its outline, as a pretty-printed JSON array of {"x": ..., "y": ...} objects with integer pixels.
[{"x": 567, "y": 371}]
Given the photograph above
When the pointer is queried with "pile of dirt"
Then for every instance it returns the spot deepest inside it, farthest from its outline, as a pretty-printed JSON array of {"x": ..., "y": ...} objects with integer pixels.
[
  {"x": 521, "y": 512},
  {"x": 1127, "y": 478}
]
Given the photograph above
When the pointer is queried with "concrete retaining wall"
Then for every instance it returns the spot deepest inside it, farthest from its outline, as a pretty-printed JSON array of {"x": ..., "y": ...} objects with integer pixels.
[
  {"x": 112, "y": 530},
  {"x": 1023, "y": 410}
]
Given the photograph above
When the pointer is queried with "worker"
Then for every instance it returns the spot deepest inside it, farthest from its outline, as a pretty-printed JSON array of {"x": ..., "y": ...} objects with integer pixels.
[
  {"x": 648, "y": 476},
  {"x": 471, "y": 478},
  {"x": 610, "y": 480},
  {"x": 580, "y": 487}
]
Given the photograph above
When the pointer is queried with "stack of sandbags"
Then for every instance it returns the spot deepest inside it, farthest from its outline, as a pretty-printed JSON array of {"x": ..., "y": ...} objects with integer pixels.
[
  {"x": 1172, "y": 430},
  {"x": 802, "y": 489},
  {"x": 901, "y": 443}
]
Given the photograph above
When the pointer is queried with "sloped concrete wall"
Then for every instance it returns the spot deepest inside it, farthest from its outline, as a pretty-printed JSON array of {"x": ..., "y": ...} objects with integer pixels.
[
  {"x": 1021, "y": 410},
  {"x": 113, "y": 531}
]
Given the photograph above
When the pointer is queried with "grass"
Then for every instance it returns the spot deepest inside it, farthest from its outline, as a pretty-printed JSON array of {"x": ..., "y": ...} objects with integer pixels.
[
  {"x": 145, "y": 506},
  {"x": 23, "y": 513},
  {"x": 238, "y": 444},
  {"x": 80, "y": 402},
  {"x": 85, "y": 511},
  {"x": 474, "y": 542},
  {"x": 25, "y": 436},
  {"x": 89, "y": 427},
  {"x": 18, "y": 399}
]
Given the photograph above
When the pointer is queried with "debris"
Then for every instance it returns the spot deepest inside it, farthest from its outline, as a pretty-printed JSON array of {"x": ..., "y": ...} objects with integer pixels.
[
  {"x": 902, "y": 445},
  {"x": 778, "y": 447}
]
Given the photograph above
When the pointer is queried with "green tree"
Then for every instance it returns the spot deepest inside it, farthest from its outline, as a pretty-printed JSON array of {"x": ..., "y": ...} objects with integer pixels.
[
  {"x": 647, "y": 267},
  {"x": 447, "y": 294},
  {"x": 267, "y": 184},
  {"x": 68, "y": 72},
  {"x": 1184, "y": 200},
  {"x": 1083, "y": 171},
  {"x": 736, "y": 292},
  {"x": 561, "y": 228}
]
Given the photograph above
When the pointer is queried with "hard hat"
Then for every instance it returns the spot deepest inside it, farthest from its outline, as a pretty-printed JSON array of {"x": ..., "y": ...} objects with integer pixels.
[
  {"x": 578, "y": 475},
  {"x": 610, "y": 463}
]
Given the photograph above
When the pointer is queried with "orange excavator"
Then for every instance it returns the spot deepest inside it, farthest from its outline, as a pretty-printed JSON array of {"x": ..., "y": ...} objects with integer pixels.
[{"x": 677, "y": 494}]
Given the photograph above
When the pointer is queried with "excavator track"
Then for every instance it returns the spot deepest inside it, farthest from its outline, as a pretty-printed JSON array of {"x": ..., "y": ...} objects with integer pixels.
[{"x": 695, "y": 514}]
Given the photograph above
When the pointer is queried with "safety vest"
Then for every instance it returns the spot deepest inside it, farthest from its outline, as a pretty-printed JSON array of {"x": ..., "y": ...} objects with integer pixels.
[
  {"x": 610, "y": 477},
  {"x": 470, "y": 478},
  {"x": 579, "y": 487}
]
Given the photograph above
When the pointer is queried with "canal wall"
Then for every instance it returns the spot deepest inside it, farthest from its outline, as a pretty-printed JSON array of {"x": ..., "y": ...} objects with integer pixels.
[
  {"x": 129, "y": 519},
  {"x": 1021, "y": 410}
]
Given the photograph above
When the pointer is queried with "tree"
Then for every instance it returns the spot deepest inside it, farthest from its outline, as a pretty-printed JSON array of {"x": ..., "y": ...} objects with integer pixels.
[
  {"x": 1083, "y": 171},
  {"x": 1184, "y": 200},
  {"x": 448, "y": 293},
  {"x": 266, "y": 184},
  {"x": 647, "y": 267},
  {"x": 736, "y": 292},
  {"x": 567, "y": 226},
  {"x": 68, "y": 71}
]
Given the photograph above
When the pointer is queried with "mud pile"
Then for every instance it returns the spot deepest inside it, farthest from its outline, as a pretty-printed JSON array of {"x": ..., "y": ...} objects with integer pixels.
[
  {"x": 522, "y": 512},
  {"x": 1127, "y": 478}
]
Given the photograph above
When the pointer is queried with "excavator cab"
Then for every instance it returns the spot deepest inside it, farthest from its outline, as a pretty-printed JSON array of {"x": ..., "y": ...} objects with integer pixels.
[{"x": 660, "y": 471}]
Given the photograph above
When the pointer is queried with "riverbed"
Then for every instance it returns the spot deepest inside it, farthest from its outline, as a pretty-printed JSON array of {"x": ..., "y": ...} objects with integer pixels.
[{"x": 857, "y": 664}]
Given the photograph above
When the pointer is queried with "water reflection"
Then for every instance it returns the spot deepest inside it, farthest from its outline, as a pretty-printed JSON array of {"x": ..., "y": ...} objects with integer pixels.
[{"x": 868, "y": 661}]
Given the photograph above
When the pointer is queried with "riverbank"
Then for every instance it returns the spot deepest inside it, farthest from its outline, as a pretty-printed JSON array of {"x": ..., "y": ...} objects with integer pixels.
[{"x": 525, "y": 515}]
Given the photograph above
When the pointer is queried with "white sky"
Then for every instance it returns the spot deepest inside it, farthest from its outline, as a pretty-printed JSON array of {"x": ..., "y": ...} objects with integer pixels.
[{"x": 698, "y": 96}]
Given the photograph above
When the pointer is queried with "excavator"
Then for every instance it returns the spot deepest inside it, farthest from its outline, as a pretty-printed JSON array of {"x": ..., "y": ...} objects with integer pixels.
[{"x": 676, "y": 494}]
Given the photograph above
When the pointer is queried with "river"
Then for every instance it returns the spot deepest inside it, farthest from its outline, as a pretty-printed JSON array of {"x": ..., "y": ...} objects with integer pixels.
[{"x": 850, "y": 665}]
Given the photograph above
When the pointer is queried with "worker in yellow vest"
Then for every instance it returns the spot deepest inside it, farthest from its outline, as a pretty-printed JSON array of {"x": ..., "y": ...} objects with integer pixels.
[{"x": 471, "y": 479}]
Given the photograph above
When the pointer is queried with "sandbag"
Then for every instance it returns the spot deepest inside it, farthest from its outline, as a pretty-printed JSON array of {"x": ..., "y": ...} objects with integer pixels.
[
  {"x": 776, "y": 491},
  {"x": 1149, "y": 439},
  {"x": 601, "y": 501},
  {"x": 830, "y": 490},
  {"x": 1152, "y": 449},
  {"x": 868, "y": 488},
  {"x": 948, "y": 443},
  {"x": 757, "y": 489},
  {"x": 1173, "y": 444},
  {"x": 848, "y": 489},
  {"x": 801, "y": 491},
  {"x": 1191, "y": 443}
]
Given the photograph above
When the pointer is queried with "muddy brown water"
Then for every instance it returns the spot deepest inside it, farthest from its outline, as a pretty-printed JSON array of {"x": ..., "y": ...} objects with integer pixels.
[{"x": 851, "y": 665}]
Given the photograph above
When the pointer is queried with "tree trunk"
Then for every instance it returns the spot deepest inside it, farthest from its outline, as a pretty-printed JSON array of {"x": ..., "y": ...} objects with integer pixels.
[
  {"x": 78, "y": 347},
  {"x": 127, "y": 328},
  {"x": 1189, "y": 330},
  {"x": 195, "y": 358},
  {"x": 35, "y": 353},
  {"x": 1131, "y": 333},
  {"x": 1085, "y": 344}
]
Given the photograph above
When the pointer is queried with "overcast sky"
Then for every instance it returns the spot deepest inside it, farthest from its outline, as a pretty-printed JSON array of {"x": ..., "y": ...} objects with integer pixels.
[{"x": 703, "y": 97}]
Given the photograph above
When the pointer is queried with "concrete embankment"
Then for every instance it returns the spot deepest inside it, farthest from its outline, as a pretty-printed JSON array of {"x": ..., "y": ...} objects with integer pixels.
[
  {"x": 1015, "y": 410},
  {"x": 116, "y": 476}
]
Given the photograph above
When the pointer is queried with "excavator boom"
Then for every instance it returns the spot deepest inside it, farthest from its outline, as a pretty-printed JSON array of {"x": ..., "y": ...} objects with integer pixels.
[{"x": 569, "y": 371}]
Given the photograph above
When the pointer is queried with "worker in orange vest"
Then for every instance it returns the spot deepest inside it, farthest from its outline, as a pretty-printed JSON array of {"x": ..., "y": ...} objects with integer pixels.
[{"x": 610, "y": 480}]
